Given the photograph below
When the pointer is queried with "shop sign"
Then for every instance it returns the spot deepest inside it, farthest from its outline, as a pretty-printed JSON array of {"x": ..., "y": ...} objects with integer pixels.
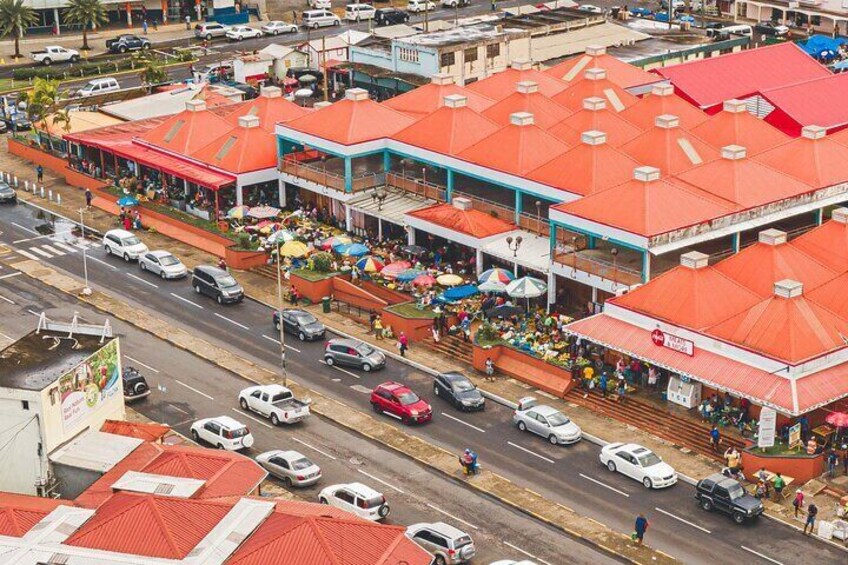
[
  {"x": 795, "y": 436},
  {"x": 663, "y": 339},
  {"x": 767, "y": 426},
  {"x": 89, "y": 385}
]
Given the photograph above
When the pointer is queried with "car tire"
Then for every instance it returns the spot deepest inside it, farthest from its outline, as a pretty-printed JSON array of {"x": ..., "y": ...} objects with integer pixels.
[
  {"x": 275, "y": 32},
  {"x": 522, "y": 426},
  {"x": 145, "y": 46},
  {"x": 436, "y": 390},
  {"x": 384, "y": 511},
  {"x": 366, "y": 367},
  {"x": 141, "y": 266},
  {"x": 219, "y": 299},
  {"x": 553, "y": 439},
  {"x": 208, "y": 37},
  {"x": 126, "y": 257},
  {"x": 288, "y": 482},
  {"x": 707, "y": 505},
  {"x": 315, "y": 25},
  {"x": 275, "y": 420},
  {"x": 74, "y": 58},
  {"x": 162, "y": 275},
  {"x": 611, "y": 466},
  {"x": 107, "y": 250},
  {"x": 322, "y": 500},
  {"x": 46, "y": 61},
  {"x": 376, "y": 408},
  {"x": 194, "y": 436},
  {"x": 243, "y": 404},
  {"x": 329, "y": 361},
  {"x": 738, "y": 517},
  {"x": 439, "y": 560},
  {"x": 648, "y": 483},
  {"x": 197, "y": 289},
  {"x": 301, "y": 336},
  {"x": 220, "y": 446},
  {"x": 122, "y": 49},
  {"x": 277, "y": 326},
  {"x": 337, "y": 23}
]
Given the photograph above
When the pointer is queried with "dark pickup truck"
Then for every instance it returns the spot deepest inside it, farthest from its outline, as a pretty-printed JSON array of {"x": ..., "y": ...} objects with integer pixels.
[
  {"x": 127, "y": 42},
  {"x": 727, "y": 495}
]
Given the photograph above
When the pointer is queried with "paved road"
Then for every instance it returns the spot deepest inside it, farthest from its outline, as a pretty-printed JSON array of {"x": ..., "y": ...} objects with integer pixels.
[
  {"x": 570, "y": 475},
  {"x": 195, "y": 389}
]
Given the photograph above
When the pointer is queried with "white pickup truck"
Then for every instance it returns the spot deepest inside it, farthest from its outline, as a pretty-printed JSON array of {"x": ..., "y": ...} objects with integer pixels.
[
  {"x": 275, "y": 402},
  {"x": 55, "y": 54}
]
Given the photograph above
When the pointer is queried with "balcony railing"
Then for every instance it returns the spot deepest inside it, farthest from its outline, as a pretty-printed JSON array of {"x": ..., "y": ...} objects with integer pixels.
[
  {"x": 309, "y": 166},
  {"x": 609, "y": 270},
  {"x": 416, "y": 186}
]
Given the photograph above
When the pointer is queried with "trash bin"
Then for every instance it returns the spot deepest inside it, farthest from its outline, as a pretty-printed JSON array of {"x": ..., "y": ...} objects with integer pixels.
[{"x": 325, "y": 304}]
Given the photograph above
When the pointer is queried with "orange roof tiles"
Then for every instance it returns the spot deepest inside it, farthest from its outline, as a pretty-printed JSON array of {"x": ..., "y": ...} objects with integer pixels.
[
  {"x": 426, "y": 99},
  {"x": 101, "y": 489},
  {"x": 515, "y": 149},
  {"x": 812, "y": 158},
  {"x": 500, "y": 85},
  {"x": 355, "y": 119},
  {"x": 828, "y": 243},
  {"x": 669, "y": 148},
  {"x": 660, "y": 101},
  {"x": 595, "y": 116},
  {"x": 623, "y": 74},
  {"x": 270, "y": 109},
  {"x": 595, "y": 84},
  {"x": 141, "y": 430},
  {"x": 448, "y": 130},
  {"x": 833, "y": 295},
  {"x": 743, "y": 181},
  {"x": 20, "y": 512},
  {"x": 589, "y": 167},
  {"x": 736, "y": 126},
  {"x": 244, "y": 149},
  {"x": 149, "y": 525},
  {"x": 648, "y": 208},
  {"x": 545, "y": 111},
  {"x": 188, "y": 131},
  {"x": 472, "y": 222}
]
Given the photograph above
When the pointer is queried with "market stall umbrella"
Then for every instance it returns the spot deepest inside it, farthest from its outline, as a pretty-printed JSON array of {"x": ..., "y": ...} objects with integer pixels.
[
  {"x": 370, "y": 264},
  {"x": 303, "y": 79},
  {"x": 413, "y": 249},
  {"x": 409, "y": 275},
  {"x": 280, "y": 236},
  {"x": 392, "y": 270},
  {"x": 526, "y": 287},
  {"x": 496, "y": 275},
  {"x": 355, "y": 250},
  {"x": 492, "y": 286},
  {"x": 263, "y": 212},
  {"x": 238, "y": 212},
  {"x": 460, "y": 292},
  {"x": 503, "y": 311},
  {"x": 838, "y": 419},
  {"x": 294, "y": 249},
  {"x": 127, "y": 201},
  {"x": 425, "y": 280},
  {"x": 331, "y": 242},
  {"x": 450, "y": 280}
]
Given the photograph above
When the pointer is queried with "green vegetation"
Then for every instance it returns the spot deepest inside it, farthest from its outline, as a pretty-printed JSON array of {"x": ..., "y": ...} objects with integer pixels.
[
  {"x": 41, "y": 102},
  {"x": 88, "y": 14},
  {"x": 100, "y": 67},
  {"x": 311, "y": 275},
  {"x": 322, "y": 262},
  {"x": 410, "y": 310},
  {"x": 15, "y": 18}
]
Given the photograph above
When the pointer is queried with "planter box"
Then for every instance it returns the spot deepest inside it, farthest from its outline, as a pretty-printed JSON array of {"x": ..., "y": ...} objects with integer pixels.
[
  {"x": 416, "y": 329},
  {"x": 199, "y": 212},
  {"x": 801, "y": 467},
  {"x": 525, "y": 368},
  {"x": 243, "y": 260},
  {"x": 178, "y": 204},
  {"x": 314, "y": 290}
]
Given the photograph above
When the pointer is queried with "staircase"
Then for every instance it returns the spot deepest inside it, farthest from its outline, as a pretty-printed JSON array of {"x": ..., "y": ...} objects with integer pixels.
[
  {"x": 268, "y": 271},
  {"x": 453, "y": 347},
  {"x": 683, "y": 432}
]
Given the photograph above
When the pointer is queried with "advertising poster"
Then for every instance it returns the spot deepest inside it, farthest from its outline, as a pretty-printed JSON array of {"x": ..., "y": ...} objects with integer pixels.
[{"x": 91, "y": 383}]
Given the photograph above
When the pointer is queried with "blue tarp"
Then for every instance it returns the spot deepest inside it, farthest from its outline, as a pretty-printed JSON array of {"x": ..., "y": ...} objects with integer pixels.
[
  {"x": 821, "y": 44},
  {"x": 460, "y": 292}
]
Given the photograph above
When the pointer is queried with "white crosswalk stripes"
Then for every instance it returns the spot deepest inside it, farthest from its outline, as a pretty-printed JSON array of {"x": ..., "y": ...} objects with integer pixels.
[
  {"x": 54, "y": 249},
  {"x": 39, "y": 251},
  {"x": 29, "y": 256},
  {"x": 67, "y": 248}
]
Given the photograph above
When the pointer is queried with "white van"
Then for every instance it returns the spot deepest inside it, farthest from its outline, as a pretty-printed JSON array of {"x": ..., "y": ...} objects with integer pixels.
[
  {"x": 357, "y": 12},
  {"x": 417, "y": 6},
  {"x": 319, "y": 18},
  {"x": 320, "y": 4},
  {"x": 99, "y": 86},
  {"x": 725, "y": 32}
]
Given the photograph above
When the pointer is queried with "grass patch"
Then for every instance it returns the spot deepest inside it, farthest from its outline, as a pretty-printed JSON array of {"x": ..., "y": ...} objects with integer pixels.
[
  {"x": 410, "y": 310},
  {"x": 313, "y": 276},
  {"x": 780, "y": 449}
]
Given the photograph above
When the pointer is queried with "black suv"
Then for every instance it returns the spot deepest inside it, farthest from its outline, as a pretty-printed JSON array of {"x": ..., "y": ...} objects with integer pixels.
[
  {"x": 135, "y": 385},
  {"x": 300, "y": 323},
  {"x": 127, "y": 42},
  {"x": 217, "y": 283},
  {"x": 727, "y": 495},
  {"x": 390, "y": 16},
  {"x": 457, "y": 389}
]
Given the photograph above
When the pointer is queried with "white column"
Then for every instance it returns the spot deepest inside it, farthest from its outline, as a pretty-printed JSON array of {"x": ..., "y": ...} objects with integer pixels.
[
  {"x": 379, "y": 229},
  {"x": 56, "y": 19},
  {"x": 185, "y": 188},
  {"x": 410, "y": 235},
  {"x": 129, "y": 18},
  {"x": 594, "y": 294},
  {"x": 551, "y": 289},
  {"x": 348, "y": 219},
  {"x": 479, "y": 261},
  {"x": 281, "y": 190}
]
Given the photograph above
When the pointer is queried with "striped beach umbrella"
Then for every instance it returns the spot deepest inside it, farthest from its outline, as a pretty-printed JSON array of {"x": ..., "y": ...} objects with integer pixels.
[
  {"x": 331, "y": 242},
  {"x": 370, "y": 264},
  {"x": 526, "y": 287},
  {"x": 237, "y": 212},
  {"x": 392, "y": 270}
]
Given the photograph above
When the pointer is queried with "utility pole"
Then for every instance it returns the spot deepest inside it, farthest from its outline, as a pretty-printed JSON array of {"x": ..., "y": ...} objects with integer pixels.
[
  {"x": 280, "y": 313},
  {"x": 324, "y": 65},
  {"x": 426, "y": 16},
  {"x": 86, "y": 290}
]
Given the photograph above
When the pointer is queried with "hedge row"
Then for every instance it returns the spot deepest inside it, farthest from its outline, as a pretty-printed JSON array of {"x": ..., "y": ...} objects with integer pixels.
[{"x": 89, "y": 69}]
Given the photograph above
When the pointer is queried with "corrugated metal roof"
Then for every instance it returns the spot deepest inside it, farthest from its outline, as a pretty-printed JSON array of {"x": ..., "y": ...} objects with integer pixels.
[
  {"x": 818, "y": 162},
  {"x": 500, "y": 85},
  {"x": 827, "y": 243},
  {"x": 162, "y": 485},
  {"x": 545, "y": 111},
  {"x": 424, "y": 100},
  {"x": 515, "y": 149},
  {"x": 470, "y": 222},
  {"x": 618, "y": 130},
  {"x": 616, "y": 97},
  {"x": 20, "y": 512},
  {"x": 393, "y": 208},
  {"x": 671, "y": 150},
  {"x": 739, "y": 128},
  {"x": 591, "y": 169},
  {"x": 448, "y": 130},
  {"x": 623, "y": 74},
  {"x": 642, "y": 113},
  {"x": 95, "y": 451},
  {"x": 819, "y": 102}
]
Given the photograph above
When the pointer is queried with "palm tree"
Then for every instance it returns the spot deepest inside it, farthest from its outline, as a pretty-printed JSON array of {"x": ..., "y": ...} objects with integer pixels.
[
  {"x": 88, "y": 14},
  {"x": 153, "y": 73},
  {"x": 41, "y": 100},
  {"x": 15, "y": 17}
]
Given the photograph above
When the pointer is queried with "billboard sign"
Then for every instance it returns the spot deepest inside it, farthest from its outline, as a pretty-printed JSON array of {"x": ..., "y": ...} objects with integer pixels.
[{"x": 84, "y": 389}]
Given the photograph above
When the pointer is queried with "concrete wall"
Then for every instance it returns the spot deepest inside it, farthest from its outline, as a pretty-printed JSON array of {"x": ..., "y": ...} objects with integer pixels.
[
  {"x": 802, "y": 468},
  {"x": 73, "y": 481},
  {"x": 22, "y": 465}
]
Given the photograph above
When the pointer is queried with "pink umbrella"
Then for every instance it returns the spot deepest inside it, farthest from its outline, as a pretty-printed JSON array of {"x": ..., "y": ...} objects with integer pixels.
[
  {"x": 838, "y": 419},
  {"x": 392, "y": 270},
  {"x": 424, "y": 280}
]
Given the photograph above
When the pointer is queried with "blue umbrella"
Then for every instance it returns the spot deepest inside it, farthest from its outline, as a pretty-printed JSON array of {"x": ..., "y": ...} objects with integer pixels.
[
  {"x": 409, "y": 275},
  {"x": 356, "y": 250},
  {"x": 460, "y": 292},
  {"x": 341, "y": 247},
  {"x": 127, "y": 201}
]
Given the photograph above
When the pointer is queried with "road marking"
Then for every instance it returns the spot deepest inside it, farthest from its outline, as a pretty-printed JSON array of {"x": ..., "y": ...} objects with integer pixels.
[
  {"x": 233, "y": 322},
  {"x": 597, "y": 482},
  {"x": 381, "y": 481},
  {"x": 40, "y": 236},
  {"x": 358, "y": 388},
  {"x": 96, "y": 260},
  {"x": 455, "y": 419},
  {"x": 277, "y": 341},
  {"x": 141, "y": 280},
  {"x": 758, "y": 554},
  {"x": 67, "y": 248},
  {"x": 33, "y": 312},
  {"x": 136, "y": 361},
  {"x": 9, "y": 300},
  {"x": 52, "y": 250},
  {"x": 28, "y": 255},
  {"x": 26, "y": 229},
  {"x": 679, "y": 519},
  {"x": 324, "y": 453},
  {"x": 345, "y": 371},
  {"x": 5, "y": 336},
  {"x": 516, "y": 548},
  {"x": 10, "y": 275},
  {"x": 257, "y": 420},
  {"x": 449, "y": 515},
  {"x": 178, "y": 409},
  {"x": 193, "y": 389},
  {"x": 515, "y": 445},
  {"x": 41, "y": 252},
  {"x": 195, "y": 304}
]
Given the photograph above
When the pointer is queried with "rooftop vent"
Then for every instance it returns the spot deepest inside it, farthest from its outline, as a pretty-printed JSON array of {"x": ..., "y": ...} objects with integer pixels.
[
  {"x": 646, "y": 174},
  {"x": 735, "y": 106},
  {"x": 662, "y": 90},
  {"x": 522, "y": 65},
  {"x": 521, "y": 119},
  {"x": 667, "y": 121},
  {"x": 195, "y": 105},
  {"x": 595, "y": 74},
  {"x": 593, "y": 137},
  {"x": 527, "y": 87},
  {"x": 462, "y": 203},
  {"x": 772, "y": 237},
  {"x": 441, "y": 78},
  {"x": 248, "y": 121},
  {"x": 840, "y": 215},
  {"x": 813, "y": 132},
  {"x": 356, "y": 94},
  {"x": 456, "y": 101},
  {"x": 594, "y": 103},
  {"x": 271, "y": 92},
  {"x": 734, "y": 152},
  {"x": 322, "y": 104},
  {"x": 694, "y": 260},
  {"x": 595, "y": 50},
  {"x": 787, "y": 288}
]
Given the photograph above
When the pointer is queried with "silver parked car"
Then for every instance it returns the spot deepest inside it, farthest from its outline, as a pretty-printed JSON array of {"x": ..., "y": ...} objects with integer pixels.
[
  {"x": 449, "y": 545},
  {"x": 291, "y": 467},
  {"x": 354, "y": 354},
  {"x": 162, "y": 263},
  {"x": 545, "y": 421}
]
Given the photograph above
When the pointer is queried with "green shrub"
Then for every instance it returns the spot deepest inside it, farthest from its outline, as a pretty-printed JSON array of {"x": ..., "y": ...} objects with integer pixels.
[
  {"x": 244, "y": 240},
  {"x": 322, "y": 262}
]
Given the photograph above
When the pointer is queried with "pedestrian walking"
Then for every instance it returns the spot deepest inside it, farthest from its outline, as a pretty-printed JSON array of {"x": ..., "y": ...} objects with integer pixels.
[
  {"x": 403, "y": 344},
  {"x": 832, "y": 463},
  {"x": 798, "y": 503},
  {"x": 641, "y": 527},
  {"x": 779, "y": 484},
  {"x": 127, "y": 222},
  {"x": 39, "y": 171},
  {"x": 845, "y": 459},
  {"x": 622, "y": 390},
  {"x": 715, "y": 439},
  {"x": 812, "y": 512},
  {"x": 490, "y": 369},
  {"x": 188, "y": 22},
  {"x": 494, "y": 6},
  {"x": 88, "y": 198},
  {"x": 155, "y": 24},
  {"x": 763, "y": 475},
  {"x": 437, "y": 337},
  {"x": 378, "y": 328},
  {"x": 144, "y": 27}
]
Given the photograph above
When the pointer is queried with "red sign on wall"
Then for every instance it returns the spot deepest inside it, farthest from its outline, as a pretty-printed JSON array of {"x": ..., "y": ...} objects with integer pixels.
[{"x": 662, "y": 339}]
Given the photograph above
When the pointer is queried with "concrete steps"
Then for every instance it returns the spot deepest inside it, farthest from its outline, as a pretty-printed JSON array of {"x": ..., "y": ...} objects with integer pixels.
[{"x": 453, "y": 347}]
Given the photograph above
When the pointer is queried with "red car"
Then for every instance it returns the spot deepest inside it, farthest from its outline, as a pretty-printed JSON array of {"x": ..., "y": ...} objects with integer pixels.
[{"x": 400, "y": 402}]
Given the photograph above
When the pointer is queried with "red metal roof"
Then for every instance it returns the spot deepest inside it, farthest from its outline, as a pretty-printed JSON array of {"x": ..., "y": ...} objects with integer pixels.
[
  {"x": 107, "y": 136},
  {"x": 818, "y": 102},
  {"x": 500, "y": 85},
  {"x": 148, "y": 525},
  {"x": 471, "y": 222},
  {"x": 426, "y": 99},
  {"x": 544, "y": 110},
  {"x": 182, "y": 168},
  {"x": 188, "y": 131},
  {"x": 448, "y": 130},
  {"x": 709, "y": 82},
  {"x": 827, "y": 243},
  {"x": 101, "y": 489},
  {"x": 736, "y": 126},
  {"x": 818, "y": 162},
  {"x": 618, "y": 130},
  {"x": 670, "y": 149},
  {"x": 141, "y": 430},
  {"x": 833, "y": 295},
  {"x": 663, "y": 101},
  {"x": 270, "y": 111},
  {"x": 20, "y": 512},
  {"x": 617, "y": 98},
  {"x": 241, "y": 150},
  {"x": 623, "y": 74}
]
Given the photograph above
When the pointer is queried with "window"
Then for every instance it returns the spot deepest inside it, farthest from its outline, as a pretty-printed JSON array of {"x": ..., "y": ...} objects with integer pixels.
[
  {"x": 448, "y": 59},
  {"x": 408, "y": 55},
  {"x": 471, "y": 55},
  {"x": 25, "y": 404},
  {"x": 345, "y": 496},
  {"x": 493, "y": 51}
]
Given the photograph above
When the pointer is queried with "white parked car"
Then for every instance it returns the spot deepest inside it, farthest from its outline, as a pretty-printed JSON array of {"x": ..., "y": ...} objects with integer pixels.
[
  {"x": 590, "y": 8},
  {"x": 638, "y": 462},
  {"x": 222, "y": 432},
  {"x": 275, "y": 402},
  {"x": 123, "y": 244},
  {"x": 98, "y": 86},
  {"x": 545, "y": 421},
  {"x": 420, "y": 6},
  {"x": 162, "y": 263},
  {"x": 238, "y": 33},
  {"x": 319, "y": 18},
  {"x": 320, "y": 4},
  {"x": 449, "y": 545},
  {"x": 278, "y": 27},
  {"x": 291, "y": 467},
  {"x": 359, "y": 12},
  {"x": 357, "y": 499}
]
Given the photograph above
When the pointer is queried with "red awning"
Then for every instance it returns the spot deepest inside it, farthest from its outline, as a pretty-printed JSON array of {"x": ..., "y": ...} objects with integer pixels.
[{"x": 192, "y": 172}]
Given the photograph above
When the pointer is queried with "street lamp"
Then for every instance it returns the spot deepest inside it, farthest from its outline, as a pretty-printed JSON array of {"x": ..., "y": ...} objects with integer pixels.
[
  {"x": 278, "y": 241},
  {"x": 539, "y": 216},
  {"x": 379, "y": 196},
  {"x": 514, "y": 248},
  {"x": 86, "y": 290},
  {"x": 614, "y": 252}
]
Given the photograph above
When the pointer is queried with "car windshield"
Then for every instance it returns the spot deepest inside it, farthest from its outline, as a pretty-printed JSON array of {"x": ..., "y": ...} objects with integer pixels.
[
  {"x": 168, "y": 260},
  {"x": 306, "y": 318},
  {"x": 301, "y": 464},
  {"x": 226, "y": 281},
  {"x": 649, "y": 459},
  {"x": 462, "y": 385},
  {"x": 736, "y": 491},
  {"x": 407, "y": 398},
  {"x": 365, "y": 349},
  {"x": 131, "y": 240},
  {"x": 558, "y": 419}
]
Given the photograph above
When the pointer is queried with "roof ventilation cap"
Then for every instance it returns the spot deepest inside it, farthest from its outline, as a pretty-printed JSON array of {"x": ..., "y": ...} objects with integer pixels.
[
  {"x": 813, "y": 132},
  {"x": 442, "y": 78},
  {"x": 593, "y": 137},
  {"x": 271, "y": 92},
  {"x": 694, "y": 260},
  {"x": 322, "y": 104},
  {"x": 356, "y": 94},
  {"x": 462, "y": 203},
  {"x": 787, "y": 288},
  {"x": 667, "y": 121},
  {"x": 735, "y": 106},
  {"x": 594, "y": 103},
  {"x": 595, "y": 74},
  {"x": 527, "y": 87},
  {"x": 772, "y": 237},
  {"x": 596, "y": 50},
  {"x": 249, "y": 121},
  {"x": 840, "y": 215},
  {"x": 522, "y": 65},
  {"x": 521, "y": 119},
  {"x": 734, "y": 152},
  {"x": 662, "y": 90},
  {"x": 456, "y": 101},
  {"x": 646, "y": 174},
  {"x": 195, "y": 105}
]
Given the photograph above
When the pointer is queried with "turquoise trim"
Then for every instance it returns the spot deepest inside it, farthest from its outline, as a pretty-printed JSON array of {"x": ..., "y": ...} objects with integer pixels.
[
  {"x": 449, "y": 189},
  {"x": 590, "y": 241},
  {"x": 819, "y": 216},
  {"x": 593, "y": 236},
  {"x": 518, "y": 194},
  {"x": 348, "y": 162},
  {"x": 553, "y": 235},
  {"x": 736, "y": 239},
  {"x": 387, "y": 162},
  {"x": 646, "y": 265}
]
